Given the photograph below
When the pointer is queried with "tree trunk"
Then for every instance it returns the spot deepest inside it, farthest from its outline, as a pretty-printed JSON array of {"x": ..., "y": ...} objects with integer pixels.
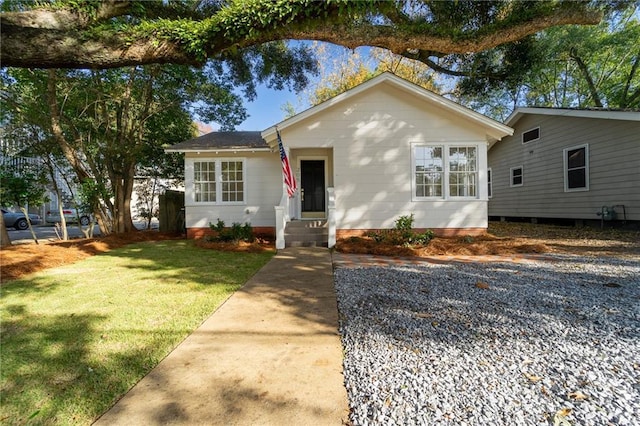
[
  {"x": 26, "y": 215},
  {"x": 5, "y": 241},
  {"x": 122, "y": 190},
  {"x": 56, "y": 189}
]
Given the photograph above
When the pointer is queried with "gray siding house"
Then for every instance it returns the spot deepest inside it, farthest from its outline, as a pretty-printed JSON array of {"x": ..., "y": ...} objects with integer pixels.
[{"x": 567, "y": 164}]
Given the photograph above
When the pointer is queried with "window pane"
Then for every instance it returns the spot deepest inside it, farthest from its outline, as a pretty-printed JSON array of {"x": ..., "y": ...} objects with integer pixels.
[
  {"x": 489, "y": 189},
  {"x": 531, "y": 135},
  {"x": 429, "y": 166},
  {"x": 516, "y": 176},
  {"x": 576, "y": 158},
  {"x": 232, "y": 181},
  {"x": 463, "y": 166},
  {"x": 204, "y": 177},
  {"x": 577, "y": 178}
]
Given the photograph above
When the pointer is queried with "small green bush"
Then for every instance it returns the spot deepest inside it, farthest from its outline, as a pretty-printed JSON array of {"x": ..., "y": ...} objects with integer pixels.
[
  {"x": 402, "y": 235},
  {"x": 237, "y": 232}
]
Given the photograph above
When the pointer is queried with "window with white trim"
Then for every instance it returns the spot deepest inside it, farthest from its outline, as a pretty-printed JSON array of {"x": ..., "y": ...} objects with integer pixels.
[
  {"x": 463, "y": 171},
  {"x": 576, "y": 168},
  {"x": 517, "y": 176},
  {"x": 489, "y": 183},
  {"x": 204, "y": 181},
  {"x": 429, "y": 171},
  {"x": 531, "y": 135},
  {"x": 232, "y": 181},
  {"x": 219, "y": 181},
  {"x": 441, "y": 171}
]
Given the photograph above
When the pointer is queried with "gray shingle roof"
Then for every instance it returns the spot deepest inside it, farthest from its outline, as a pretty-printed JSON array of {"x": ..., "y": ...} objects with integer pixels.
[{"x": 222, "y": 141}]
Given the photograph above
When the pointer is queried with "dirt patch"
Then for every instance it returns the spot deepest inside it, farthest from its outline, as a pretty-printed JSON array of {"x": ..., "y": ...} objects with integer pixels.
[{"x": 502, "y": 238}]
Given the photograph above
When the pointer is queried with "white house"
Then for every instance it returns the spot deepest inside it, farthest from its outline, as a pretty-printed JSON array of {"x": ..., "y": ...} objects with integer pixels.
[{"x": 384, "y": 149}]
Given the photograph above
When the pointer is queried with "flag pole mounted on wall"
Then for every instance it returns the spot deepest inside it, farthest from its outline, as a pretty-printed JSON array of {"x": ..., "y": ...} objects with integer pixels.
[{"x": 289, "y": 178}]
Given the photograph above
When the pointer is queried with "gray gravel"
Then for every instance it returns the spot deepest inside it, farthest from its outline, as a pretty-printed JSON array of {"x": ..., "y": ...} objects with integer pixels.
[{"x": 546, "y": 343}]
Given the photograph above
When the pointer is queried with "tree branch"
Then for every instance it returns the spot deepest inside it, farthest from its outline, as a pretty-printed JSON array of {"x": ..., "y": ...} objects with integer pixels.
[
  {"x": 56, "y": 39},
  {"x": 424, "y": 58},
  {"x": 65, "y": 19},
  {"x": 595, "y": 96}
]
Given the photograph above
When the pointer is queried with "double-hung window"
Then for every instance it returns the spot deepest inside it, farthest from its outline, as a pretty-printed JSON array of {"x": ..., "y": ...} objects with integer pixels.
[
  {"x": 219, "y": 181},
  {"x": 463, "y": 171},
  {"x": 489, "y": 182},
  {"x": 232, "y": 181},
  {"x": 204, "y": 181},
  {"x": 576, "y": 168},
  {"x": 517, "y": 176},
  {"x": 429, "y": 171},
  {"x": 442, "y": 171}
]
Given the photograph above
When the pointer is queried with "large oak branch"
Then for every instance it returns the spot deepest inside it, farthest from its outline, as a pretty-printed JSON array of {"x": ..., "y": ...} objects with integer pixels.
[{"x": 40, "y": 47}]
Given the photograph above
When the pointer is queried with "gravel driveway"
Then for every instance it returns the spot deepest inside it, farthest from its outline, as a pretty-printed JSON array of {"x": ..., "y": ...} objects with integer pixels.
[{"x": 555, "y": 342}]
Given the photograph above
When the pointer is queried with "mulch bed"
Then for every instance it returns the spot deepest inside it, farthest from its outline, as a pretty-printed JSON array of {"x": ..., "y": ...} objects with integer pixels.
[{"x": 503, "y": 238}]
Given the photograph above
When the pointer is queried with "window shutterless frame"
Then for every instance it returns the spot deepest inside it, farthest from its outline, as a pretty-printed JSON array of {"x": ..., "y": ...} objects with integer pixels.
[
  {"x": 219, "y": 181},
  {"x": 516, "y": 176},
  {"x": 531, "y": 135},
  {"x": 444, "y": 171},
  {"x": 576, "y": 168}
]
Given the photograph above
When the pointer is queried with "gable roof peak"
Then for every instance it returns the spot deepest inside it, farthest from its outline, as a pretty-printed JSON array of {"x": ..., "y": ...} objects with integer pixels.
[{"x": 494, "y": 128}]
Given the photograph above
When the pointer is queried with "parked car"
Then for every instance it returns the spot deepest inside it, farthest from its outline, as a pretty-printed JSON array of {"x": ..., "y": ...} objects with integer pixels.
[
  {"x": 18, "y": 221},
  {"x": 70, "y": 215}
]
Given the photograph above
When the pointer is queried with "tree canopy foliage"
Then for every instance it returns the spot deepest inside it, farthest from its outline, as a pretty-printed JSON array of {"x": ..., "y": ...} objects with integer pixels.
[
  {"x": 567, "y": 67},
  {"x": 111, "y": 125},
  {"x": 343, "y": 73},
  {"x": 115, "y": 33}
]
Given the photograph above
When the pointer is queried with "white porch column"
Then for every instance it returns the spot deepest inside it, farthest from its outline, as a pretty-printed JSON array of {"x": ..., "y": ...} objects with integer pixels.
[
  {"x": 331, "y": 217},
  {"x": 280, "y": 224}
]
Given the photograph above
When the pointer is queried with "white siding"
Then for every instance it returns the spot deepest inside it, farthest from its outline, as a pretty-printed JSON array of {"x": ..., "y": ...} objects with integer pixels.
[
  {"x": 614, "y": 168},
  {"x": 263, "y": 189},
  {"x": 371, "y": 135}
]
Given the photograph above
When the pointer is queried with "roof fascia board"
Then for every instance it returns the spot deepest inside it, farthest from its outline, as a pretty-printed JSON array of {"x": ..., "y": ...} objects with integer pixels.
[
  {"x": 559, "y": 112},
  {"x": 216, "y": 150}
]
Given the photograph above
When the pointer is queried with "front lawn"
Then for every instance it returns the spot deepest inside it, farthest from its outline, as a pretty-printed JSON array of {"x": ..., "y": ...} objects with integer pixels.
[{"x": 76, "y": 338}]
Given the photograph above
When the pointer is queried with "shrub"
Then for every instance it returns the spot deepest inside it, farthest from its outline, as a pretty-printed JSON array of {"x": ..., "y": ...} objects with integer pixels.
[
  {"x": 237, "y": 232},
  {"x": 403, "y": 234}
]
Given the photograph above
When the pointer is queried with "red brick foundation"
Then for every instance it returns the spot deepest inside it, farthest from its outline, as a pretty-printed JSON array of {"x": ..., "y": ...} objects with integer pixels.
[
  {"x": 269, "y": 232},
  {"x": 439, "y": 232}
]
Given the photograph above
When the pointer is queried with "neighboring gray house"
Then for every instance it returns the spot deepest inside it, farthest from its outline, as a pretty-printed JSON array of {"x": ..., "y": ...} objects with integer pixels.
[{"x": 567, "y": 164}]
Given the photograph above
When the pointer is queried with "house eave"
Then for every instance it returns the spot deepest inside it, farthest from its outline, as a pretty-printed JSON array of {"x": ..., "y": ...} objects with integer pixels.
[
  {"x": 579, "y": 113},
  {"x": 217, "y": 150}
]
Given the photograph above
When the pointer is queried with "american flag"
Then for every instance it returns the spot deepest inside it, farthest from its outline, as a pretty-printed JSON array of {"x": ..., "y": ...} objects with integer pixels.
[{"x": 289, "y": 178}]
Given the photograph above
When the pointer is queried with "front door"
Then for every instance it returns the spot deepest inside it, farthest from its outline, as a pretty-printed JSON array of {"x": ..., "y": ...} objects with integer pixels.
[{"x": 312, "y": 188}]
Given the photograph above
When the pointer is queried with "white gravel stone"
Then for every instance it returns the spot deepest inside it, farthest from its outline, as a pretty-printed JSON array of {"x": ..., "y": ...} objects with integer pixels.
[{"x": 424, "y": 345}]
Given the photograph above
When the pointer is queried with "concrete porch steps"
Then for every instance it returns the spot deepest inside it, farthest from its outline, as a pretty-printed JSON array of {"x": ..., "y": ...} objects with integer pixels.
[{"x": 306, "y": 233}]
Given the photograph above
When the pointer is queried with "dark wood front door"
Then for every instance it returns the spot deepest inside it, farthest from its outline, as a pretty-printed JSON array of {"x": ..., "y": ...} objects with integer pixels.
[{"x": 312, "y": 185}]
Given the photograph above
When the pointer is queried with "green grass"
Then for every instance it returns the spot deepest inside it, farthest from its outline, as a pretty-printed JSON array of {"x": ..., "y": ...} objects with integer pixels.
[{"x": 76, "y": 338}]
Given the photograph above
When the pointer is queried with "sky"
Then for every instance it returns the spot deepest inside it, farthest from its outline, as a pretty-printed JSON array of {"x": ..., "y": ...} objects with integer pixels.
[{"x": 266, "y": 109}]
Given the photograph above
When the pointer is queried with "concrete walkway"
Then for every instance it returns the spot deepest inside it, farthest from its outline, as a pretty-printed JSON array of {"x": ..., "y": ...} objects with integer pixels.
[{"x": 270, "y": 355}]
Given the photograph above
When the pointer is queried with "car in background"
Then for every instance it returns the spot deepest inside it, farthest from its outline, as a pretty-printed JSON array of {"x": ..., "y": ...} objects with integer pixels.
[
  {"x": 17, "y": 220},
  {"x": 70, "y": 215}
]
